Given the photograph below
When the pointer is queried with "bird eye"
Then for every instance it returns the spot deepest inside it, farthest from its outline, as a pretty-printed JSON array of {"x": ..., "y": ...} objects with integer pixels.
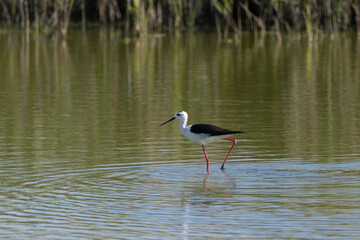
[{"x": 178, "y": 114}]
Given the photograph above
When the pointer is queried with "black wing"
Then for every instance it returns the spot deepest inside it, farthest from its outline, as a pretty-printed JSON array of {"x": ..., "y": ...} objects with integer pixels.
[{"x": 211, "y": 129}]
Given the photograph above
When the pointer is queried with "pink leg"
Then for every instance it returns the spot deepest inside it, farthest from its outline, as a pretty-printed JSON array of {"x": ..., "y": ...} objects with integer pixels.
[
  {"x": 227, "y": 156},
  {"x": 207, "y": 160}
]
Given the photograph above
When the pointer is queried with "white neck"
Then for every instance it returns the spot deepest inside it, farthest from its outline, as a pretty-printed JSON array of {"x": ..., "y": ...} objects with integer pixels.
[{"x": 183, "y": 122}]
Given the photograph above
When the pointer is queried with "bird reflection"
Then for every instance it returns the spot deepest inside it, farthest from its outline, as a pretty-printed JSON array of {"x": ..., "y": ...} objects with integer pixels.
[{"x": 230, "y": 182}]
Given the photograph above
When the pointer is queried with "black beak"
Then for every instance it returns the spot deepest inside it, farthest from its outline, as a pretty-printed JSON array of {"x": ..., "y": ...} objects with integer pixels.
[{"x": 167, "y": 121}]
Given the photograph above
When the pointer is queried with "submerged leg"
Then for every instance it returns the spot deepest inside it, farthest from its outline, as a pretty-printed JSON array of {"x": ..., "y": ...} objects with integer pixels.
[
  {"x": 206, "y": 157},
  {"x": 227, "y": 156}
]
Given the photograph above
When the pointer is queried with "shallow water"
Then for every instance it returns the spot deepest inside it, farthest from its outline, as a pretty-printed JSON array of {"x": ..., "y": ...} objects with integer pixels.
[{"x": 82, "y": 155}]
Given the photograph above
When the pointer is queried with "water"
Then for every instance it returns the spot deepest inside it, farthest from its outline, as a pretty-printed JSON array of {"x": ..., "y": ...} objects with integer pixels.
[{"x": 82, "y": 156}]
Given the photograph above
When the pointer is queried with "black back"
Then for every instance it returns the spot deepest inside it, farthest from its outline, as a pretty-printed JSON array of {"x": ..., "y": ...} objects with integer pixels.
[{"x": 211, "y": 129}]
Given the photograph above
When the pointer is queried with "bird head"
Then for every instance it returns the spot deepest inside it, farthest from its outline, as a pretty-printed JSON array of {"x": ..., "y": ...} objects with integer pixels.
[{"x": 178, "y": 115}]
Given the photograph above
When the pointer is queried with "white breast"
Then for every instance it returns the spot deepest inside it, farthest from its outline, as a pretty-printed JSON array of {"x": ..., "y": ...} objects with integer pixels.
[{"x": 201, "y": 138}]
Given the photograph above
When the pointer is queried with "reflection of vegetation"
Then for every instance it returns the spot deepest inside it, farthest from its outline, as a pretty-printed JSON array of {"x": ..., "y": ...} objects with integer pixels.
[
  {"x": 142, "y": 16},
  {"x": 78, "y": 92}
]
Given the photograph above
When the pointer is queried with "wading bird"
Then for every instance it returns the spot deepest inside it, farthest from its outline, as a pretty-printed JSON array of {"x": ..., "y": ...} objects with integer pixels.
[{"x": 203, "y": 134}]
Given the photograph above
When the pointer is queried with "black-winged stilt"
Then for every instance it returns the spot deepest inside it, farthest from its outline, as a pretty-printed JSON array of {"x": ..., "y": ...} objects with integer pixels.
[{"x": 203, "y": 133}]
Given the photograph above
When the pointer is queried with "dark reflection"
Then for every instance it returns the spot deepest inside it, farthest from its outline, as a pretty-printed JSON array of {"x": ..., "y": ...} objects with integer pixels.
[
  {"x": 78, "y": 127},
  {"x": 94, "y": 85}
]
